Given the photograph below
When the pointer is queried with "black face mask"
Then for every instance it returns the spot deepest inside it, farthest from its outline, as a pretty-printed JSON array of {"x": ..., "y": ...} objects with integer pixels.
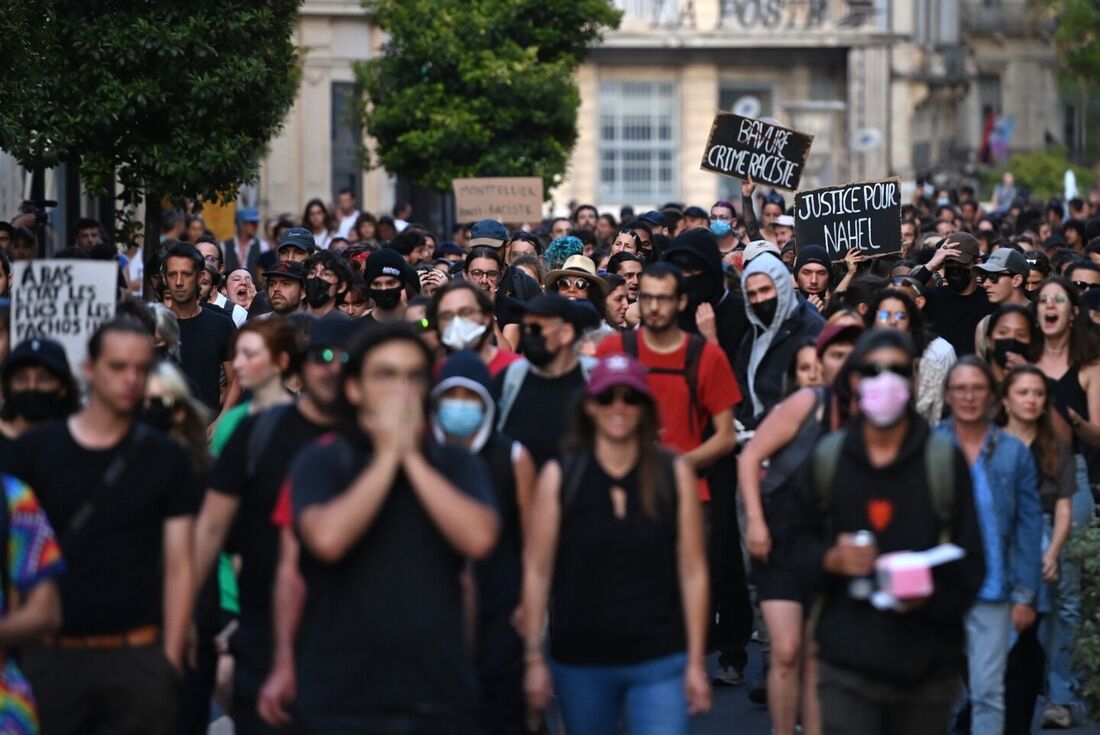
[
  {"x": 765, "y": 310},
  {"x": 957, "y": 278},
  {"x": 534, "y": 349},
  {"x": 157, "y": 414},
  {"x": 35, "y": 406},
  {"x": 386, "y": 298},
  {"x": 698, "y": 288},
  {"x": 317, "y": 294},
  {"x": 1001, "y": 348}
]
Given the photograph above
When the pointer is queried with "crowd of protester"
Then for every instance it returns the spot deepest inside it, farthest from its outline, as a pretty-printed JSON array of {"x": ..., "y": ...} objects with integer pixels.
[{"x": 340, "y": 474}]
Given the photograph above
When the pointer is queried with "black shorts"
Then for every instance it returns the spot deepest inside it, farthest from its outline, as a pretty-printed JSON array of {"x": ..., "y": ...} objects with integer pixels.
[{"x": 777, "y": 578}]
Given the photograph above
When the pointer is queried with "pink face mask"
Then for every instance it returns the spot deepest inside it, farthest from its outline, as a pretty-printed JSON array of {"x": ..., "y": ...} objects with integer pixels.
[{"x": 884, "y": 398}]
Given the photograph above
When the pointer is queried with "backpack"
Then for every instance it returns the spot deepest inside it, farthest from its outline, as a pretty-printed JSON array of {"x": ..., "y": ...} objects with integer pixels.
[
  {"x": 515, "y": 374},
  {"x": 939, "y": 466},
  {"x": 690, "y": 371}
]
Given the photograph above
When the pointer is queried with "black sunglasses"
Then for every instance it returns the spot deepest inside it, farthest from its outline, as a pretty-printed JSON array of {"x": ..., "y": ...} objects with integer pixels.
[
  {"x": 1084, "y": 286},
  {"x": 630, "y": 396},
  {"x": 874, "y": 369},
  {"x": 984, "y": 276}
]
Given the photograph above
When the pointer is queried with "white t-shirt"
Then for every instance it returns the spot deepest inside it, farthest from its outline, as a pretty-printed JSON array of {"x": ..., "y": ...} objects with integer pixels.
[{"x": 347, "y": 224}]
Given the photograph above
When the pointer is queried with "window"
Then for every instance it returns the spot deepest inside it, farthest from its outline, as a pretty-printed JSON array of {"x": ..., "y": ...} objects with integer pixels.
[
  {"x": 639, "y": 140},
  {"x": 345, "y": 140},
  {"x": 731, "y": 97}
]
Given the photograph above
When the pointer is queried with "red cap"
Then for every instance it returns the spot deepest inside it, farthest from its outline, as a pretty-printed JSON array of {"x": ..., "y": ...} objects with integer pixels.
[{"x": 617, "y": 370}]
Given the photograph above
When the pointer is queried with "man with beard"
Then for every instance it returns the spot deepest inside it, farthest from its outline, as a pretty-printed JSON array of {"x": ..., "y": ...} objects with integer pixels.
[
  {"x": 238, "y": 505},
  {"x": 328, "y": 277},
  {"x": 204, "y": 333},
  {"x": 388, "y": 276},
  {"x": 284, "y": 286},
  {"x": 38, "y": 386},
  {"x": 462, "y": 313},
  {"x": 956, "y": 308}
]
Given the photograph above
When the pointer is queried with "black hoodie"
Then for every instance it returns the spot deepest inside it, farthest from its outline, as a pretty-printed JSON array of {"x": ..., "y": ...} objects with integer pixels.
[{"x": 697, "y": 249}]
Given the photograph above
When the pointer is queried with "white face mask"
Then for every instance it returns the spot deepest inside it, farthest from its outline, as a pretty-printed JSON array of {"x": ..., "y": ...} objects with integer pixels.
[{"x": 462, "y": 334}]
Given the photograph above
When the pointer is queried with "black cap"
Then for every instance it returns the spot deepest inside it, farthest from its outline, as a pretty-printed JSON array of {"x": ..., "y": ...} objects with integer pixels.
[
  {"x": 696, "y": 212},
  {"x": 334, "y": 329},
  {"x": 39, "y": 351},
  {"x": 298, "y": 237},
  {"x": 547, "y": 304},
  {"x": 1055, "y": 241},
  {"x": 655, "y": 217},
  {"x": 1037, "y": 260},
  {"x": 388, "y": 262},
  {"x": 291, "y": 269}
]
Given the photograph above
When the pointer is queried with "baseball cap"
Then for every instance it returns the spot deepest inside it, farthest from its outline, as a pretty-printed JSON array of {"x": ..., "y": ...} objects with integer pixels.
[
  {"x": 547, "y": 304},
  {"x": 488, "y": 232},
  {"x": 38, "y": 351},
  {"x": 654, "y": 217},
  {"x": 1055, "y": 241},
  {"x": 696, "y": 212},
  {"x": 332, "y": 330},
  {"x": 447, "y": 247},
  {"x": 783, "y": 220},
  {"x": 247, "y": 214},
  {"x": 1005, "y": 260},
  {"x": 298, "y": 237},
  {"x": 1037, "y": 260},
  {"x": 616, "y": 370},
  {"x": 836, "y": 333},
  {"x": 291, "y": 269},
  {"x": 758, "y": 247},
  {"x": 967, "y": 246}
]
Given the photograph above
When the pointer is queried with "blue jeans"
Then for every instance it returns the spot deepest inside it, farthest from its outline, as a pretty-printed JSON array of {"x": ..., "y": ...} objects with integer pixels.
[
  {"x": 988, "y": 628},
  {"x": 648, "y": 697}
]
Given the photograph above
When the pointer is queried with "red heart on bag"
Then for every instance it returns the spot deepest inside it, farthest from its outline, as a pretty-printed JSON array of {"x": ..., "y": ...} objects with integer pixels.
[{"x": 880, "y": 512}]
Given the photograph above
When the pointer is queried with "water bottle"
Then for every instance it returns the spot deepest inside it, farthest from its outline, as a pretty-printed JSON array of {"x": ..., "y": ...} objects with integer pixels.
[{"x": 860, "y": 588}]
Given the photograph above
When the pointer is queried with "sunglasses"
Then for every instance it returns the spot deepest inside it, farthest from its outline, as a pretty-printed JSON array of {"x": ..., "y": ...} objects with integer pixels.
[
  {"x": 327, "y": 356},
  {"x": 883, "y": 315},
  {"x": 873, "y": 370},
  {"x": 627, "y": 395},
  {"x": 1083, "y": 286},
  {"x": 581, "y": 284},
  {"x": 984, "y": 276}
]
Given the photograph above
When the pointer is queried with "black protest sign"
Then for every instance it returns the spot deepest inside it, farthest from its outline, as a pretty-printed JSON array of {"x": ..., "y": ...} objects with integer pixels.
[
  {"x": 865, "y": 216},
  {"x": 745, "y": 148}
]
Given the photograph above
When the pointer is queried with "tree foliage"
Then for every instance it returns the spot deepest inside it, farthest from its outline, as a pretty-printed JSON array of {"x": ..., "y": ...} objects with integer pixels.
[
  {"x": 170, "y": 97},
  {"x": 1077, "y": 37},
  {"x": 478, "y": 87},
  {"x": 1042, "y": 173}
]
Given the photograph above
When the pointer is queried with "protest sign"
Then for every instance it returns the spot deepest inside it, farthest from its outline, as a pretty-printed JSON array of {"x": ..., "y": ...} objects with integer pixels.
[
  {"x": 745, "y": 148},
  {"x": 865, "y": 215},
  {"x": 64, "y": 300},
  {"x": 508, "y": 199}
]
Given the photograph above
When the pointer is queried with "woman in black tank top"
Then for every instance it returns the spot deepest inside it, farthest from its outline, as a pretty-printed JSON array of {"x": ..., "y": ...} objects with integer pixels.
[{"x": 615, "y": 549}]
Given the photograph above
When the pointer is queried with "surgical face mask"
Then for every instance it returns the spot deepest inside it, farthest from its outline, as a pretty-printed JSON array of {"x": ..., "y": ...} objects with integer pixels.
[
  {"x": 463, "y": 334},
  {"x": 386, "y": 298},
  {"x": 535, "y": 350},
  {"x": 1001, "y": 348},
  {"x": 35, "y": 406},
  {"x": 460, "y": 417},
  {"x": 765, "y": 310},
  {"x": 943, "y": 202},
  {"x": 720, "y": 227},
  {"x": 317, "y": 294},
  {"x": 883, "y": 399},
  {"x": 957, "y": 278}
]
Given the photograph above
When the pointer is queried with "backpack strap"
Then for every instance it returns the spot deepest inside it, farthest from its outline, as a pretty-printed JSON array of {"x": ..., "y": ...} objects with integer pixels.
[
  {"x": 826, "y": 459},
  {"x": 696, "y": 343},
  {"x": 262, "y": 431},
  {"x": 939, "y": 466},
  {"x": 514, "y": 375},
  {"x": 573, "y": 467},
  {"x": 630, "y": 342}
]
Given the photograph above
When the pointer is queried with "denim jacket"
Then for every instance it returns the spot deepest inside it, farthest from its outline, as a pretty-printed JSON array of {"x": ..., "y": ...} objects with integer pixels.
[{"x": 1014, "y": 482}]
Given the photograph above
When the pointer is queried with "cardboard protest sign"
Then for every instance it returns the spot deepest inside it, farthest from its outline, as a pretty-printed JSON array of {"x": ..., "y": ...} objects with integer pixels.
[
  {"x": 865, "y": 215},
  {"x": 65, "y": 300},
  {"x": 742, "y": 147},
  {"x": 508, "y": 199}
]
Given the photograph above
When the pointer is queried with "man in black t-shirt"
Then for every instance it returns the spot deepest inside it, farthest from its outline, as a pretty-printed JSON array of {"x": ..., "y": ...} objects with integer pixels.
[
  {"x": 385, "y": 518},
  {"x": 956, "y": 308},
  {"x": 237, "y": 508},
  {"x": 204, "y": 333},
  {"x": 537, "y": 393},
  {"x": 122, "y": 497}
]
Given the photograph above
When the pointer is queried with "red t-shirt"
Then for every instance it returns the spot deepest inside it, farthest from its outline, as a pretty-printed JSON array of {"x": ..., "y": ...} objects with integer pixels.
[
  {"x": 717, "y": 391},
  {"x": 503, "y": 359}
]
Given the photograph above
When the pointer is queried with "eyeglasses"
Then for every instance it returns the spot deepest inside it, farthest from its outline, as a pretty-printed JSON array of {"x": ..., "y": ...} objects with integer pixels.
[
  {"x": 581, "y": 284},
  {"x": 212, "y": 259},
  {"x": 984, "y": 276},
  {"x": 466, "y": 312},
  {"x": 721, "y": 218},
  {"x": 626, "y": 394},
  {"x": 874, "y": 369},
  {"x": 660, "y": 298},
  {"x": 884, "y": 315},
  {"x": 1053, "y": 298},
  {"x": 1084, "y": 286},
  {"x": 968, "y": 390},
  {"x": 327, "y": 356},
  {"x": 477, "y": 274}
]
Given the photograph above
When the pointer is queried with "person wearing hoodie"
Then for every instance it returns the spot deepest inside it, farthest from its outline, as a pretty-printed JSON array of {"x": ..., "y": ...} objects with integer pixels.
[
  {"x": 780, "y": 323},
  {"x": 388, "y": 277},
  {"x": 463, "y": 412},
  {"x": 717, "y": 313}
]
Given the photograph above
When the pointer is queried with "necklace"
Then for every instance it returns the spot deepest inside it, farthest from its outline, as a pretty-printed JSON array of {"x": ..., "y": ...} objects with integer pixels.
[{"x": 1051, "y": 351}]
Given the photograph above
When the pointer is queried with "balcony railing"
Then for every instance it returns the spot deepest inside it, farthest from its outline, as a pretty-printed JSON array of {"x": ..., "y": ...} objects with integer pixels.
[{"x": 1001, "y": 16}]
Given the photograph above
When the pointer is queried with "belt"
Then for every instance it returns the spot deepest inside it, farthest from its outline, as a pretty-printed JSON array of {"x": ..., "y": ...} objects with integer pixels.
[{"x": 143, "y": 636}]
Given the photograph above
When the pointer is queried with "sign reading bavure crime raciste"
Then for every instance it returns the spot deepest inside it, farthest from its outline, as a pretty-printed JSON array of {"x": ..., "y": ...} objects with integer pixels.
[
  {"x": 508, "y": 199},
  {"x": 865, "y": 216},
  {"x": 745, "y": 148},
  {"x": 64, "y": 300}
]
